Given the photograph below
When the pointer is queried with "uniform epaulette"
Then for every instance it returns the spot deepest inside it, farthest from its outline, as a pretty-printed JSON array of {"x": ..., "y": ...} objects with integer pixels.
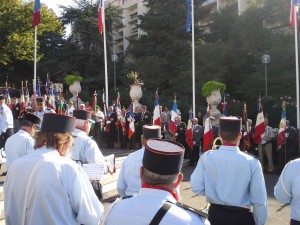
[{"x": 201, "y": 213}]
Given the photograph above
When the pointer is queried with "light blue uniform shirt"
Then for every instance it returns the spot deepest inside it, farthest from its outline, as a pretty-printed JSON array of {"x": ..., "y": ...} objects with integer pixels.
[
  {"x": 228, "y": 176},
  {"x": 287, "y": 189}
]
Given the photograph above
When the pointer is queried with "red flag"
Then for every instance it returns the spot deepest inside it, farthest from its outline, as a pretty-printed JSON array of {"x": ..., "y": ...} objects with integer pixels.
[
  {"x": 22, "y": 99},
  {"x": 100, "y": 19},
  {"x": 36, "y": 13},
  {"x": 156, "y": 113},
  {"x": 208, "y": 138},
  {"x": 294, "y": 13},
  {"x": 260, "y": 124},
  {"x": 281, "y": 132},
  {"x": 189, "y": 132}
]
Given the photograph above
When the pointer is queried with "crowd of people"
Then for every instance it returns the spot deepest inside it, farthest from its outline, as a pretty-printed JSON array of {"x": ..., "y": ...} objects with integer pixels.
[{"x": 46, "y": 183}]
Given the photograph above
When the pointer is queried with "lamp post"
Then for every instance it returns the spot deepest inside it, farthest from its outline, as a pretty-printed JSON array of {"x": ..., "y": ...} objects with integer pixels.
[
  {"x": 114, "y": 58},
  {"x": 265, "y": 60}
]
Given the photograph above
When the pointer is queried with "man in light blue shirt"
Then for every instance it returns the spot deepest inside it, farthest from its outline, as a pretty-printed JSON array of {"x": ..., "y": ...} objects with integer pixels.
[
  {"x": 287, "y": 189},
  {"x": 231, "y": 180}
]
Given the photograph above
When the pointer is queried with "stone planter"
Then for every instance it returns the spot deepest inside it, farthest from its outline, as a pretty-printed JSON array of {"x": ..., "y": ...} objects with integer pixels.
[
  {"x": 214, "y": 100},
  {"x": 136, "y": 93},
  {"x": 75, "y": 89}
]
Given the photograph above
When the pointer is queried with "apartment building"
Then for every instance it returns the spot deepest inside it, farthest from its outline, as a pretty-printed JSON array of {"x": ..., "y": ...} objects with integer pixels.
[{"x": 133, "y": 8}]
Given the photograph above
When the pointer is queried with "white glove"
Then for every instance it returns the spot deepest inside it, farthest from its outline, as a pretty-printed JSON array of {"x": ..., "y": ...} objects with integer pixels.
[
  {"x": 256, "y": 149},
  {"x": 194, "y": 142},
  {"x": 176, "y": 134},
  {"x": 245, "y": 133},
  {"x": 286, "y": 135},
  {"x": 108, "y": 122}
]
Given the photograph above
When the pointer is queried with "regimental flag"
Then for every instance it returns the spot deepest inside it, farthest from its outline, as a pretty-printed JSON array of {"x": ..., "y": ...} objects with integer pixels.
[
  {"x": 36, "y": 13},
  {"x": 259, "y": 132},
  {"x": 156, "y": 113},
  {"x": 100, "y": 17},
  {"x": 189, "y": 131},
  {"x": 38, "y": 89},
  {"x": 94, "y": 105},
  {"x": 51, "y": 101},
  {"x": 27, "y": 92},
  {"x": 47, "y": 85},
  {"x": 208, "y": 138},
  {"x": 60, "y": 103},
  {"x": 8, "y": 100},
  {"x": 105, "y": 112},
  {"x": 246, "y": 139},
  {"x": 225, "y": 107},
  {"x": 282, "y": 128},
  {"x": 188, "y": 16},
  {"x": 22, "y": 99},
  {"x": 118, "y": 107},
  {"x": 131, "y": 129},
  {"x": 173, "y": 126},
  {"x": 293, "y": 13}
]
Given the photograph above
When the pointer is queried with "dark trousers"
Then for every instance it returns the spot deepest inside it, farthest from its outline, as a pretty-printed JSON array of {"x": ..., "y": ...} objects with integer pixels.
[
  {"x": 295, "y": 222},
  {"x": 9, "y": 132},
  {"x": 220, "y": 215}
]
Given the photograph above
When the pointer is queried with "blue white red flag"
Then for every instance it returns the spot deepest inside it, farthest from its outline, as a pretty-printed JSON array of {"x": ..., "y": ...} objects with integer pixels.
[
  {"x": 188, "y": 16},
  {"x": 131, "y": 122},
  {"x": 189, "y": 131},
  {"x": 173, "y": 126},
  {"x": 38, "y": 89},
  {"x": 8, "y": 100},
  {"x": 294, "y": 13},
  {"x": 156, "y": 113},
  {"x": 36, "y": 13},
  {"x": 208, "y": 137},
  {"x": 282, "y": 128},
  {"x": 259, "y": 132},
  {"x": 105, "y": 112},
  {"x": 100, "y": 17},
  {"x": 225, "y": 107}
]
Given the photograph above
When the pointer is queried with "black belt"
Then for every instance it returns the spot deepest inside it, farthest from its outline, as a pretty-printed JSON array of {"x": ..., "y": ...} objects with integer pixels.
[
  {"x": 229, "y": 207},
  {"x": 295, "y": 222}
]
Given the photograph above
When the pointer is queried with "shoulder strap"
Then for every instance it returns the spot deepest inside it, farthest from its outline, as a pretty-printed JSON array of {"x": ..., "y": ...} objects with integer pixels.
[{"x": 161, "y": 213}]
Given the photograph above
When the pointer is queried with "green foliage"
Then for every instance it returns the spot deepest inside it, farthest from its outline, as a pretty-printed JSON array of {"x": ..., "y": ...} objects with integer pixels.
[
  {"x": 210, "y": 86},
  {"x": 69, "y": 80}
]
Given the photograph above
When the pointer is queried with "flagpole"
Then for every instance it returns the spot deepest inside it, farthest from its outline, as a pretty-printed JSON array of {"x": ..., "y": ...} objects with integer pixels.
[
  {"x": 193, "y": 60},
  {"x": 34, "y": 71},
  {"x": 105, "y": 54}
]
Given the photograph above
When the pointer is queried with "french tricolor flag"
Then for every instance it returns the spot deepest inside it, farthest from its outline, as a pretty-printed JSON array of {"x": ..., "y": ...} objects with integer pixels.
[
  {"x": 36, "y": 13},
  {"x": 259, "y": 132},
  {"x": 156, "y": 113},
  {"x": 100, "y": 17},
  {"x": 294, "y": 13},
  {"x": 131, "y": 122},
  {"x": 173, "y": 126}
]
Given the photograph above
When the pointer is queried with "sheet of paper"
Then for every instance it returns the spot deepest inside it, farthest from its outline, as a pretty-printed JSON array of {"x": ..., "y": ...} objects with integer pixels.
[{"x": 94, "y": 170}]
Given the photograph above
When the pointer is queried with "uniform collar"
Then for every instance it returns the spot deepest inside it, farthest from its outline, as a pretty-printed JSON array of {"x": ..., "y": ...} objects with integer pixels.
[
  {"x": 229, "y": 148},
  {"x": 158, "y": 194}
]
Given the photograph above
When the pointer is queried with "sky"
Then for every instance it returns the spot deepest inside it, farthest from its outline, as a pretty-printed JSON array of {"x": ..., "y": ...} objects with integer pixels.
[{"x": 53, "y": 4}]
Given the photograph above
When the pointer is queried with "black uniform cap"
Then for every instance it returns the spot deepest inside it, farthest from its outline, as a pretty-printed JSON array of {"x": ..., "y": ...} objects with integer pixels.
[
  {"x": 82, "y": 114},
  {"x": 40, "y": 99},
  {"x": 58, "y": 123},
  {"x": 231, "y": 124},
  {"x": 32, "y": 118},
  {"x": 163, "y": 157},
  {"x": 151, "y": 131},
  {"x": 2, "y": 97}
]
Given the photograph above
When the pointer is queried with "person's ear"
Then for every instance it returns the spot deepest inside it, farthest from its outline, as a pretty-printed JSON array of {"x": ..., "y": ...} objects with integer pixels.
[{"x": 179, "y": 179}]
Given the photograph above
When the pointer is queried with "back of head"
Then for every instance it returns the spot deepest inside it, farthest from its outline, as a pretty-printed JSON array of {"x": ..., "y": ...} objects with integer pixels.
[{"x": 162, "y": 161}]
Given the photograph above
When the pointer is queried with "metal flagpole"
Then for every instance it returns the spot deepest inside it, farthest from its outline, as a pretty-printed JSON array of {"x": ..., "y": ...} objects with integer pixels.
[
  {"x": 193, "y": 59},
  {"x": 105, "y": 54},
  {"x": 297, "y": 71},
  {"x": 34, "y": 71}
]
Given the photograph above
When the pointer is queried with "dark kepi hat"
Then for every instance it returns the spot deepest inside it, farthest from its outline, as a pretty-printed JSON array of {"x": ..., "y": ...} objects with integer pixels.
[
  {"x": 32, "y": 118},
  {"x": 82, "y": 114},
  {"x": 2, "y": 97},
  {"x": 58, "y": 123},
  {"x": 231, "y": 124},
  {"x": 163, "y": 157},
  {"x": 40, "y": 99},
  {"x": 143, "y": 106},
  {"x": 151, "y": 131}
]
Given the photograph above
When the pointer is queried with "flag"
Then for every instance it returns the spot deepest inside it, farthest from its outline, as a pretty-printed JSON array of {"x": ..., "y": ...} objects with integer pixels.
[
  {"x": 51, "y": 101},
  {"x": 208, "y": 137},
  {"x": 118, "y": 107},
  {"x": 173, "y": 127},
  {"x": 131, "y": 122},
  {"x": 60, "y": 103},
  {"x": 156, "y": 113},
  {"x": 94, "y": 105},
  {"x": 47, "y": 84},
  {"x": 188, "y": 16},
  {"x": 22, "y": 99},
  {"x": 38, "y": 90},
  {"x": 105, "y": 112},
  {"x": 294, "y": 11},
  {"x": 36, "y": 13},
  {"x": 189, "y": 131},
  {"x": 225, "y": 107},
  {"x": 259, "y": 132},
  {"x": 282, "y": 126},
  {"x": 100, "y": 19},
  {"x": 8, "y": 100},
  {"x": 246, "y": 139}
]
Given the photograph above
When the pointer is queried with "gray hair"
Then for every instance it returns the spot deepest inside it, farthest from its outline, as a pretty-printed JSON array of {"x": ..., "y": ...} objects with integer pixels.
[{"x": 157, "y": 179}]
